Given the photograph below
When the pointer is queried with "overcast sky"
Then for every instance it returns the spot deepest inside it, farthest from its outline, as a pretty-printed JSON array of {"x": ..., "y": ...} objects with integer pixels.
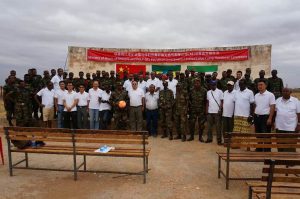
[{"x": 38, "y": 33}]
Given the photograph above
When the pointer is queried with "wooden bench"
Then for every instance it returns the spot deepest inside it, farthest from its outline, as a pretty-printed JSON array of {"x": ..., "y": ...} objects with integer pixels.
[
  {"x": 241, "y": 148},
  {"x": 79, "y": 143},
  {"x": 280, "y": 179}
]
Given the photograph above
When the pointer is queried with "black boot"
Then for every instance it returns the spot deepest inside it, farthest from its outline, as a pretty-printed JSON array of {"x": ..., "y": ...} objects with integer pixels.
[
  {"x": 183, "y": 139},
  {"x": 164, "y": 135},
  {"x": 191, "y": 137},
  {"x": 178, "y": 137},
  {"x": 171, "y": 136}
]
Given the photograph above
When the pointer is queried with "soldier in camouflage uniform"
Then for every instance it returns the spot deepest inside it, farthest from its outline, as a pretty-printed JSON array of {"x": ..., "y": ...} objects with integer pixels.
[
  {"x": 79, "y": 81},
  {"x": 180, "y": 114},
  {"x": 183, "y": 81},
  {"x": 36, "y": 85},
  {"x": 112, "y": 80},
  {"x": 197, "y": 104},
  {"x": 46, "y": 79},
  {"x": 88, "y": 82},
  {"x": 275, "y": 84},
  {"x": 222, "y": 83},
  {"x": 165, "y": 104},
  {"x": 120, "y": 115},
  {"x": 249, "y": 84},
  {"x": 105, "y": 80},
  {"x": 9, "y": 103}
]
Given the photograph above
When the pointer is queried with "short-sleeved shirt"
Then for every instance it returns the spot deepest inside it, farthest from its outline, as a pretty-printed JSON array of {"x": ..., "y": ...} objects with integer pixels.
[
  {"x": 263, "y": 101},
  {"x": 242, "y": 101},
  {"x": 151, "y": 100},
  {"x": 135, "y": 97},
  {"x": 94, "y": 98},
  {"x": 105, "y": 97},
  {"x": 155, "y": 82},
  {"x": 59, "y": 94},
  {"x": 142, "y": 85},
  {"x": 83, "y": 98},
  {"x": 55, "y": 80},
  {"x": 127, "y": 85},
  {"x": 286, "y": 114},
  {"x": 172, "y": 85},
  {"x": 228, "y": 103},
  {"x": 47, "y": 97},
  {"x": 69, "y": 98},
  {"x": 214, "y": 100}
]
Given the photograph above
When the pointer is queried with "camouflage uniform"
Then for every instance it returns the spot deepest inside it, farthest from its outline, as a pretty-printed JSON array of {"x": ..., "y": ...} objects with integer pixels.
[
  {"x": 45, "y": 81},
  {"x": 120, "y": 115},
  {"x": 23, "y": 109},
  {"x": 36, "y": 85},
  {"x": 9, "y": 103},
  {"x": 197, "y": 103},
  {"x": 250, "y": 85},
  {"x": 113, "y": 83},
  {"x": 222, "y": 84},
  {"x": 275, "y": 86},
  {"x": 165, "y": 103},
  {"x": 181, "y": 108}
]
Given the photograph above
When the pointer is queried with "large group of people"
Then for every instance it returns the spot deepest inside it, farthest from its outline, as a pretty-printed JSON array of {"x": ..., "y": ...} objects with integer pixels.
[{"x": 122, "y": 101}]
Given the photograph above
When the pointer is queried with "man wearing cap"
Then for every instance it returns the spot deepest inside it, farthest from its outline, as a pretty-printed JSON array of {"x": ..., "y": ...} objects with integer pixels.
[
  {"x": 243, "y": 109},
  {"x": 197, "y": 104},
  {"x": 165, "y": 103},
  {"x": 180, "y": 115},
  {"x": 214, "y": 110},
  {"x": 228, "y": 108}
]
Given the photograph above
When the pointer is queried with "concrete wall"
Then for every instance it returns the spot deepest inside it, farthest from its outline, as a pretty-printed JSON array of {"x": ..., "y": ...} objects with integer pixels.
[{"x": 259, "y": 58}]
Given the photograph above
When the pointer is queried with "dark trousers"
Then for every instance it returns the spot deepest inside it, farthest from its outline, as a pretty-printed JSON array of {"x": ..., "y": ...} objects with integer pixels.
[
  {"x": 227, "y": 125},
  {"x": 70, "y": 119},
  {"x": 286, "y": 149},
  {"x": 82, "y": 117},
  {"x": 214, "y": 119},
  {"x": 260, "y": 124},
  {"x": 104, "y": 119},
  {"x": 152, "y": 118}
]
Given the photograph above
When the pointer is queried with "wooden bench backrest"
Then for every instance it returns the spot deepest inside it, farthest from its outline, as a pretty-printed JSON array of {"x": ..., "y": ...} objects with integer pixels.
[
  {"x": 111, "y": 137},
  {"x": 40, "y": 134},
  {"x": 262, "y": 140}
]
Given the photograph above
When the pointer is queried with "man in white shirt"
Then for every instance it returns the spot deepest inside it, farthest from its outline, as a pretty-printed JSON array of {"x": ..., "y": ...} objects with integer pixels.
[
  {"x": 57, "y": 78},
  {"x": 214, "y": 110},
  {"x": 141, "y": 83},
  {"x": 82, "y": 107},
  {"x": 127, "y": 83},
  {"x": 228, "y": 108},
  {"x": 243, "y": 109},
  {"x": 151, "y": 101},
  {"x": 287, "y": 113},
  {"x": 238, "y": 77},
  {"x": 47, "y": 104},
  {"x": 172, "y": 82},
  {"x": 94, "y": 105},
  {"x": 105, "y": 107},
  {"x": 264, "y": 110},
  {"x": 153, "y": 80},
  {"x": 137, "y": 104},
  {"x": 59, "y": 105},
  {"x": 70, "y": 111}
]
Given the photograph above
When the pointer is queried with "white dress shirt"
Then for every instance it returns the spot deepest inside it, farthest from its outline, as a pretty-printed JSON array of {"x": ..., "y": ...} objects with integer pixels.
[
  {"x": 228, "y": 103},
  {"x": 263, "y": 101},
  {"x": 142, "y": 85},
  {"x": 172, "y": 85},
  {"x": 59, "y": 94},
  {"x": 83, "y": 98},
  {"x": 105, "y": 97},
  {"x": 127, "y": 85},
  {"x": 135, "y": 97},
  {"x": 242, "y": 101},
  {"x": 214, "y": 103},
  {"x": 94, "y": 98},
  {"x": 55, "y": 80},
  {"x": 286, "y": 114},
  {"x": 69, "y": 98},
  {"x": 47, "y": 97},
  {"x": 151, "y": 100},
  {"x": 154, "y": 81},
  {"x": 237, "y": 85}
]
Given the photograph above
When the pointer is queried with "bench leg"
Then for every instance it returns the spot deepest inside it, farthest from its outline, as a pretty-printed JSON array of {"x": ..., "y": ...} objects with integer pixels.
[
  {"x": 9, "y": 158},
  {"x": 26, "y": 160},
  {"x": 250, "y": 193},
  {"x": 144, "y": 166},
  {"x": 227, "y": 174},
  {"x": 84, "y": 162},
  {"x": 219, "y": 167},
  {"x": 147, "y": 164}
]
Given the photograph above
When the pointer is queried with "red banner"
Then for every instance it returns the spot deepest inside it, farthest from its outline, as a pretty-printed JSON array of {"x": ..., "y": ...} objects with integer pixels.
[
  {"x": 171, "y": 56},
  {"x": 131, "y": 69}
]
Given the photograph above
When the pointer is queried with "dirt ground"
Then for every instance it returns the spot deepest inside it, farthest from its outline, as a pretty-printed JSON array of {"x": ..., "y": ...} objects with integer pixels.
[{"x": 178, "y": 170}]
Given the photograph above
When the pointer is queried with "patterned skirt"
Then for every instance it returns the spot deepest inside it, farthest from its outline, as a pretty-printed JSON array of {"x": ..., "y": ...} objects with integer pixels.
[{"x": 241, "y": 125}]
